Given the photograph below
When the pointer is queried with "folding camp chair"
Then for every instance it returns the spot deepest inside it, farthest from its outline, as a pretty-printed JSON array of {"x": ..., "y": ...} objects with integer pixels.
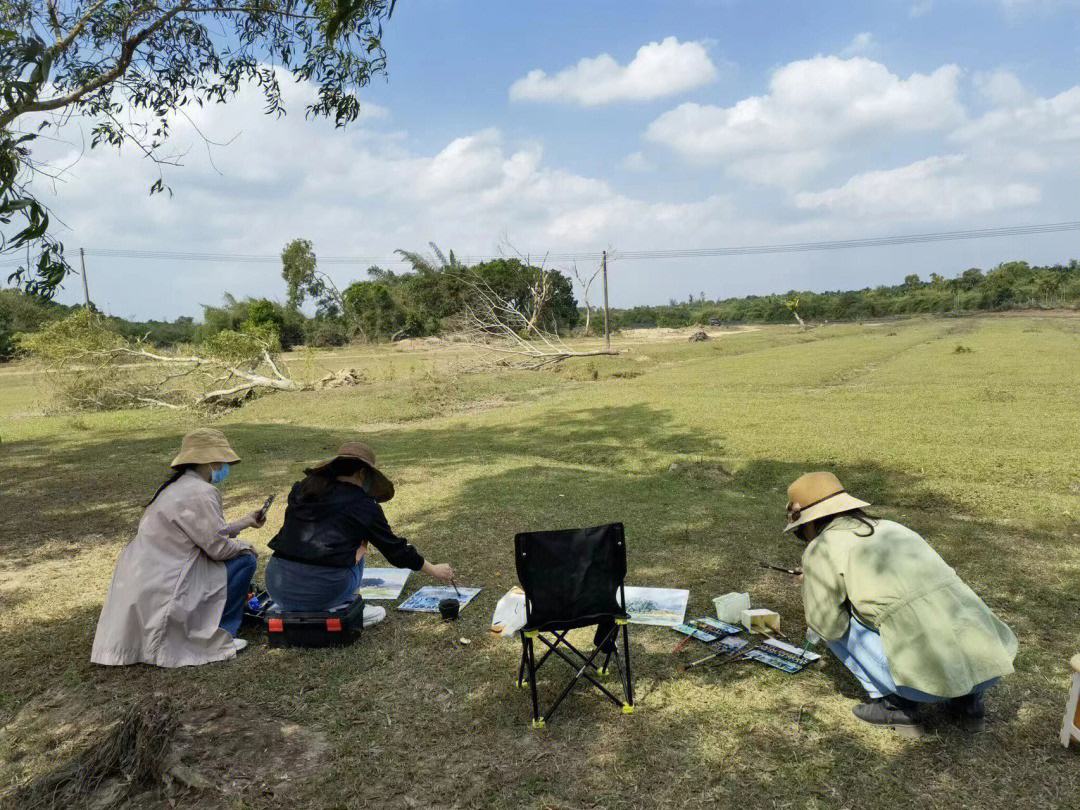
[{"x": 574, "y": 578}]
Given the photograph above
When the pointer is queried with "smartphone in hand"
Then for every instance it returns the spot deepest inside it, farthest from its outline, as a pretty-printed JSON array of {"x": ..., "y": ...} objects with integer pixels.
[{"x": 266, "y": 507}]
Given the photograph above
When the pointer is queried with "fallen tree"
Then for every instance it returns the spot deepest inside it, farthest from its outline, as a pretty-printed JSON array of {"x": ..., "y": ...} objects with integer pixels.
[
  {"x": 515, "y": 334},
  {"x": 92, "y": 367}
]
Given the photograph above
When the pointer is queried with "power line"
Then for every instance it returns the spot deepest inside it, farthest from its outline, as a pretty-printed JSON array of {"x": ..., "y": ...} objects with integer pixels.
[{"x": 623, "y": 255}]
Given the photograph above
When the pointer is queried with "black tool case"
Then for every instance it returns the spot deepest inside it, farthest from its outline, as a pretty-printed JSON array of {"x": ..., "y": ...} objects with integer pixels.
[{"x": 328, "y": 628}]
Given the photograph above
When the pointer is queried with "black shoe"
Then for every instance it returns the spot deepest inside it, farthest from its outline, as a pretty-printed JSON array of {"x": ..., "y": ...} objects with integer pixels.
[
  {"x": 970, "y": 711},
  {"x": 902, "y": 716}
]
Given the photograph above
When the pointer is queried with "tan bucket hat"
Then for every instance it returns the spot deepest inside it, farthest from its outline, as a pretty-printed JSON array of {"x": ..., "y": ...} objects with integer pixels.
[
  {"x": 817, "y": 495},
  {"x": 378, "y": 486},
  {"x": 205, "y": 446}
]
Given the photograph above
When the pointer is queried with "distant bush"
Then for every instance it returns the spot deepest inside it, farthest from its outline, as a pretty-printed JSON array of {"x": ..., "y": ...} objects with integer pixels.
[
  {"x": 7, "y": 338},
  {"x": 20, "y": 312},
  {"x": 322, "y": 333}
]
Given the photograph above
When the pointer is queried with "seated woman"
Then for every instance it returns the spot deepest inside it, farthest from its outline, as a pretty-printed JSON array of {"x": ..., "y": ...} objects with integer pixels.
[
  {"x": 332, "y": 515},
  {"x": 178, "y": 591},
  {"x": 893, "y": 611}
]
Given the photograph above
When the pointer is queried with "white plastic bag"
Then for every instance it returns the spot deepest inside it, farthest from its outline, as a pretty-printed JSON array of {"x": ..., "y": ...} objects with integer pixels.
[{"x": 509, "y": 613}]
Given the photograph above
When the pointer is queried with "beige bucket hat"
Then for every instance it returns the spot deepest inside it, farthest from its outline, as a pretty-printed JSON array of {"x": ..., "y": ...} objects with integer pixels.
[
  {"x": 205, "y": 446},
  {"x": 378, "y": 486},
  {"x": 817, "y": 495}
]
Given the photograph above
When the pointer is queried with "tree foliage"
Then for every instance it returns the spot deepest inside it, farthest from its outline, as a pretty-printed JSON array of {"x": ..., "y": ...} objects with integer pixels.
[
  {"x": 127, "y": 67},
  {"x": 1011, "y": 285},
  {"x": 440, "y": 290}
]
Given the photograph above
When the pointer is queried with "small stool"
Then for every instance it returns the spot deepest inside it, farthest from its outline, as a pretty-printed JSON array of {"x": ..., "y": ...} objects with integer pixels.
[{"x": 1070, "y": 726}]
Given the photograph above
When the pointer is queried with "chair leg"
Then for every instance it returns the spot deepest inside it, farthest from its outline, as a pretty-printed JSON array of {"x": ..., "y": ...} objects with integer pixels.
[
  {"x": 530, "y": 663},
  {"x": 628, "y": 683},
  {"x": 605, "y": 668}
]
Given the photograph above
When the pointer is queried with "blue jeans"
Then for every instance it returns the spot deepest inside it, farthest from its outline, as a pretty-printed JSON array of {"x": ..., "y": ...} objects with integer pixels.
[
  {"x": 301, "y": 588},
  {"x": 238, "y": 574},
  {"x": 861, "y": 651}
]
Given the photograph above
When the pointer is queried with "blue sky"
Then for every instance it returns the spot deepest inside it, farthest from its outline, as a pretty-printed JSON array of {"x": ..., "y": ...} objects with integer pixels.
[{"x": 689, "y": 124}]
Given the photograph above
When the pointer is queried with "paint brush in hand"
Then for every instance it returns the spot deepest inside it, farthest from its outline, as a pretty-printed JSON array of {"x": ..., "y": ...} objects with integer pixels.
[{"x": 456, "y": 591}]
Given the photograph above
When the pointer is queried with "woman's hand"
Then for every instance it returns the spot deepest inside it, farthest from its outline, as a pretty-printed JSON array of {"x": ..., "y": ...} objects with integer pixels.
[
  {"x": 361, "y": 551},
  {"x": 255, "y": 520},
  {"x": 442, "y": 571},
  {"x": 798, "y": 578}
]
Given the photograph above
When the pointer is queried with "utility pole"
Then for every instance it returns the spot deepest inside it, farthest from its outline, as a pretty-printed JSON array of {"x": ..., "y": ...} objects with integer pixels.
[
  {"x": 85, "y": 286},
  {"x": 607, "y": 329}
]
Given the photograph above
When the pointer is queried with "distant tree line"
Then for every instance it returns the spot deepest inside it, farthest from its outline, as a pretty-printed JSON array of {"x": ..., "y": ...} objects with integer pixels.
[
  {"x": 385, "y": 306},
  {"x": 428, "y": 299},
  {"x": 1012, "y": 285}
]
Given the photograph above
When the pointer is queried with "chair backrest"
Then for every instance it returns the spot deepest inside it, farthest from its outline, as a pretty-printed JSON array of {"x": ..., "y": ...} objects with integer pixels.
[{"x": 571, "y": 577}]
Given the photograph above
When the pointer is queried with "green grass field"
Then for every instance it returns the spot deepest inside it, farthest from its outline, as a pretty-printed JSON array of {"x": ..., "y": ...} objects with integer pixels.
[{"x": 976, "y": 450}]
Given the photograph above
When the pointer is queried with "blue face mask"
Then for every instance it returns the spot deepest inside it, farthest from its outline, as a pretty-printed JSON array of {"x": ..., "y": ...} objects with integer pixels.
[{"x": 220, "y": 474}]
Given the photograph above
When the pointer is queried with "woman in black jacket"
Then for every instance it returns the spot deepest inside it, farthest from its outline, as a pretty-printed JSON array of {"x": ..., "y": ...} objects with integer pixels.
[{"x": 332, "y": 516}]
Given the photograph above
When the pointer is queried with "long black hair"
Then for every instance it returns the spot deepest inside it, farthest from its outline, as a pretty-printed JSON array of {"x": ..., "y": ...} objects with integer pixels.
[
  {"x": 822, "y": 523},
  {"x": 855, "y": 514},
  {"x": 316, "y": 482},
  {"x": 174, "y": 476}
]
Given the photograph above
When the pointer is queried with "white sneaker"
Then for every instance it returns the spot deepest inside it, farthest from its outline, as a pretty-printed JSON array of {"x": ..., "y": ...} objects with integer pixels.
[
  {"x": 239, "y": 644},
  {"x": 373, "y": 615}
]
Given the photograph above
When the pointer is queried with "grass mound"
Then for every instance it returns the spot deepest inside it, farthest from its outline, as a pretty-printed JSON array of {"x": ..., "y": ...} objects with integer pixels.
[{"x": 129, "y": 756}]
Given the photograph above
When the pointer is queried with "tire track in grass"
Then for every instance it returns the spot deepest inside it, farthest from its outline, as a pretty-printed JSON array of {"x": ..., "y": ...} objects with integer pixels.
[{"x": 848, "y": 376}]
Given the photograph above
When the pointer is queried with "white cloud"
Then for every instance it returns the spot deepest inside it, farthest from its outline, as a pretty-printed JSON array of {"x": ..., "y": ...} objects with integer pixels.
[
  {"x": 658, "y": 69},
  {"x": 1054, "y": 120},
  {"x": 637, "y": 162},
  {"x": 935, "y": 189},
  {"x": 812, "y": 106},
  {"x": 1030, "y": 136},
  {"x": 921, "y": 8},
  {"x": 1001, "y": 87},
  {"x": 860, "y": 44}
]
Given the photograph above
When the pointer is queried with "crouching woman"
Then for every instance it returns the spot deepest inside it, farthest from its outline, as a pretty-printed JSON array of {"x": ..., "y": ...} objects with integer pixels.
[
  {"x": 332, "y": 516},
  {"x": 893, "y": 611},
  {"x": 178, "y": 591}
]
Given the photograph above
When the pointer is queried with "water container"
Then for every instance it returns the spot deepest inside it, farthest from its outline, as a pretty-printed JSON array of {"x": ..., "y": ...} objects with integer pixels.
[{"x": 730, "y": 606}]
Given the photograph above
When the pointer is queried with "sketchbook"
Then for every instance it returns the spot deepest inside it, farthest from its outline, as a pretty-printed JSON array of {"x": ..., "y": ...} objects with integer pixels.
[
  {"x": 426, "y": 600},
  {"x": 383, "y": 583},
  {"x": 662, "y": 606}
]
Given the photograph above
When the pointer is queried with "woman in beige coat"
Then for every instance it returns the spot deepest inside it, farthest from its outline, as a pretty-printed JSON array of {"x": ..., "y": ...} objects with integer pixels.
[{"x": 178, "y": 591}]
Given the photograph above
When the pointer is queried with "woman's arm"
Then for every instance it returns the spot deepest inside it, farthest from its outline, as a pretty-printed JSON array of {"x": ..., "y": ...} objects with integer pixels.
[
  {"x": 203, "y": 521},
  {"x": 824, "y": 591},
  {"x": 398, "y": 551},
  {"x": 252, "y": 520},
  {"x": 442, "y": 571}
]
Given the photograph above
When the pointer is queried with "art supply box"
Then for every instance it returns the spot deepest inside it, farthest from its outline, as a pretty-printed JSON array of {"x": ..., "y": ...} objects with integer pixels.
[
  {"x": 761, "y": 620},
  {"x": 329, "y": 628}
]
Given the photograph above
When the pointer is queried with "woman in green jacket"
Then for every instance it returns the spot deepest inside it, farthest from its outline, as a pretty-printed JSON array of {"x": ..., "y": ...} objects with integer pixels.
[{"x": 893, "y": 611}]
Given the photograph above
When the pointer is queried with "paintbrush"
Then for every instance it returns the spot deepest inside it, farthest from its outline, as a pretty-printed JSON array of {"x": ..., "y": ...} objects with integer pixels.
[
  {"x": 729, "y": 655},
  {"x": 793, "y": 571},
  {"x": 682, "y": 644},
  {"x": 455, "y": 587}
]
